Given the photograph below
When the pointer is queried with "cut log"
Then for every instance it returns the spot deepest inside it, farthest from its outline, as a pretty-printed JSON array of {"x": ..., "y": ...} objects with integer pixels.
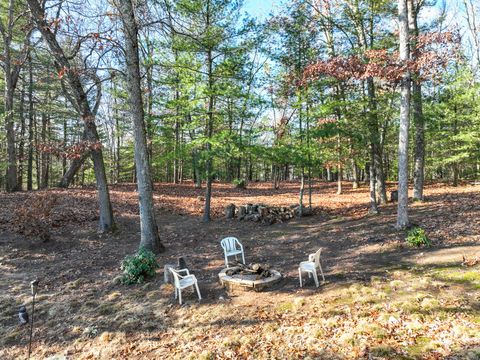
[
  {"x": 230, "y": 211},
  {"x": 263, "y": 211},
  {"x": 242, "y": 211}
]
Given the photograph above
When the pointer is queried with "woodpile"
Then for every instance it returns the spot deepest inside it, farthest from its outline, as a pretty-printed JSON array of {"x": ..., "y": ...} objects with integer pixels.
[{"x": 262, "y": 213}]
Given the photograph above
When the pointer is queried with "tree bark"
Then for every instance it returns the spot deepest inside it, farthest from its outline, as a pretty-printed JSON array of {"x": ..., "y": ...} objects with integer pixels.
[
  {"x": 80, "y": 103},
  {"x": 149, "y": 237},
  {"x": 44, "y": 157},
  {"x": 402, "y": 209},
  {"x": 65, "y": 138},
  {"x": 209, "y": 133},
  {"x": 11, "y": 68},
  {"x": 209, "y": 125},
  {"x": 21, "y": 143},
  {"x": 75, "y": 166},
  {"x": 418, "y": 119},
  {"x": 30, "y": 126},
  {"x": 354, "y": 174},
  {"x": 375, "y": 138}
]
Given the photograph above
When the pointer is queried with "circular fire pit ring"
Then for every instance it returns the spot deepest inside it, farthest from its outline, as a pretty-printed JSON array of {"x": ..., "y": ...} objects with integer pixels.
[{"x": 247, "y": 281}]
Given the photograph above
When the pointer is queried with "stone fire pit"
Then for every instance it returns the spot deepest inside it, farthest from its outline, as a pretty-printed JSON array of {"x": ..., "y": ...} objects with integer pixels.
[{"x": 255, "y": 276}]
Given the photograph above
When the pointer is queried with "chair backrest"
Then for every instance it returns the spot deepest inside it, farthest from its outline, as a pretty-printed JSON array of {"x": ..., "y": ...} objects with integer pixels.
[
  {"x": 229, "y": 243},
  {"x": 176, "y": 277},
  {"x": 317, "y": 257}
]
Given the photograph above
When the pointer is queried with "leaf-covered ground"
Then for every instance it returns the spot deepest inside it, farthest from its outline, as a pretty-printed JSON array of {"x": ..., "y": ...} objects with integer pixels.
[{"x": 382, "y": 299}]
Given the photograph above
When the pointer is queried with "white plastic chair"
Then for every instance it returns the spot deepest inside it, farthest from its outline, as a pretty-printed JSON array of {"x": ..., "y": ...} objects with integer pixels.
[
  {"x": 311, "y": 266},
  {"x": 183, "y": 281},
  {"x": 232, "y": 247}
]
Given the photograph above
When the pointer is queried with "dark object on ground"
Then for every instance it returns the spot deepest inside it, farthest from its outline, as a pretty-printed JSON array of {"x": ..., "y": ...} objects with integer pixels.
[
  {"x": 394, "y": 196},
  {"x": 182, "y": 264},
  {"x": 230, "y": 211},
  {"x": 23, "y": 315}
]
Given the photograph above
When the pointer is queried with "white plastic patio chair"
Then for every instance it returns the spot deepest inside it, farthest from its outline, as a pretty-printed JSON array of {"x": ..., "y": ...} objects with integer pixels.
[
  {"x": 183, "y": 281},
  {"x": 311, "y": 267},
  {"x": 232, "y": 247}
]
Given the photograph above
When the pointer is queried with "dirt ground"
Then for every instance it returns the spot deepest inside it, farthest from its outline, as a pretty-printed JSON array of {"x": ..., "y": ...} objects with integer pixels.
[{"x": 382, "y": 299}]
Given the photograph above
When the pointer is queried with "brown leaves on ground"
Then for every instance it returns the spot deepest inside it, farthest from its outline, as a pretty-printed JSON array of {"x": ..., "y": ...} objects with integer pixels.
[
  {"x": 382, "y": 300},
  {"x": 33, "y": 217}
]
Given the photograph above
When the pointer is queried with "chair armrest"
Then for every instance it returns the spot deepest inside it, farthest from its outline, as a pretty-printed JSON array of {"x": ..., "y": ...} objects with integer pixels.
[
  {"x": 184, "y": 270},
  {"x": 311, "y": 257}
]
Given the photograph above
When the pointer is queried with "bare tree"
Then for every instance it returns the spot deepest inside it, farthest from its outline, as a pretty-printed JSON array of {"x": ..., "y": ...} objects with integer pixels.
[
  {"x": 12, "y": 65},
  {"x": 80, "y": 102},
  {"x": 149, "y": 237},
  {"x": 402, "y": 210},
  {"x": 417, "y": 107}
]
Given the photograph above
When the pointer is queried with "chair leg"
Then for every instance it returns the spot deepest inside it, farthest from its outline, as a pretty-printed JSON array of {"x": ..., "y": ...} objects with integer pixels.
[
  {"x": 226, "y": 261},
  {"x": 198, "y": 291},
  {"x": 175, "y": 293},
  {"x": 243, "y": 258},
  {"x": 315, "y": 278},
  {"x": 300, "y": 276},
  {"x": 321, "y": 271},
  {"x": 180, "y": 296}
]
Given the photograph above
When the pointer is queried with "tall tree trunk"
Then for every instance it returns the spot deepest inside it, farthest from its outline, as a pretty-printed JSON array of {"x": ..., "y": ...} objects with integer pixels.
[
  {"x": 417, "y": 107},
  {"x": 372, "y": 182},
  {"x": 117, "y": 135},
  {"x": 37, "y": 153},
  {"x": 80, "y": 102},
  {"x": 30, "y": 126},
  {"x": 302, "y": 191},
  {"x": 402, "y": 209},
  {"x": 455, "y": 146},
  {"x": 376, "y": 149},
  {"x": 44, "y": 156},
  {"x": 176, "y": 170},
  {"x": 375, "y": 137},
  {"x": 9, "y": 127},
  {"x": 355, "y": 174},
  {"x": 65, "y": 138},
  {"x": 209, "y": 124},
  {"x": 149, "y": 125},
  {"x": 209, "y": 133},
  {"x": 309, "y": 157},
  {"x": 149, "y": 237},
  {"x": 11, "y": 70},
  {"x": 196, "y": 170},
  {"x": 339, "y": 167},
  {"x": 21, "y": 143}
]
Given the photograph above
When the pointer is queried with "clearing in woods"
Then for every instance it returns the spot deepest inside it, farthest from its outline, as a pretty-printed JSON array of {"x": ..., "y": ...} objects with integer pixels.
[{"x": 382, "y": 299}]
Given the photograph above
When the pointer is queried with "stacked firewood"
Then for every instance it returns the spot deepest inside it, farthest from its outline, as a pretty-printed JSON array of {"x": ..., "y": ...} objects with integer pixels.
[{"x": 262, "y": 213}]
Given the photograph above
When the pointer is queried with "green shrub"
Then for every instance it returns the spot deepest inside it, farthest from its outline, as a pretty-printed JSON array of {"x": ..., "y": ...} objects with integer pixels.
[
  {"x": 240, "y": 183},
  {"x": 136, "y": 268},
  {"x": 417, "y": 237}
]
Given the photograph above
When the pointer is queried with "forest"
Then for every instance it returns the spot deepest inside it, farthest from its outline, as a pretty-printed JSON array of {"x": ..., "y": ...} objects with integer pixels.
[{"x": 135, "y": 134}]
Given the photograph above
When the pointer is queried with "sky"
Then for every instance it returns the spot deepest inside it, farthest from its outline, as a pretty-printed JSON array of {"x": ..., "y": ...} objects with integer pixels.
[{"x": 260, "y": 8}]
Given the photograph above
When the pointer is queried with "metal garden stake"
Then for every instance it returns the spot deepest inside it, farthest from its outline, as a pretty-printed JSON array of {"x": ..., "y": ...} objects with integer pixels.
[{"x": 34, "y": 288}]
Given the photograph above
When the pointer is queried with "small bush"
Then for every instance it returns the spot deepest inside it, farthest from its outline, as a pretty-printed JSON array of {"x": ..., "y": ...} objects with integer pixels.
[
  {"x": 137, "y": 268},
  {"x": 240, "y": 183},
  {"x": 417, "y": 237}
]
